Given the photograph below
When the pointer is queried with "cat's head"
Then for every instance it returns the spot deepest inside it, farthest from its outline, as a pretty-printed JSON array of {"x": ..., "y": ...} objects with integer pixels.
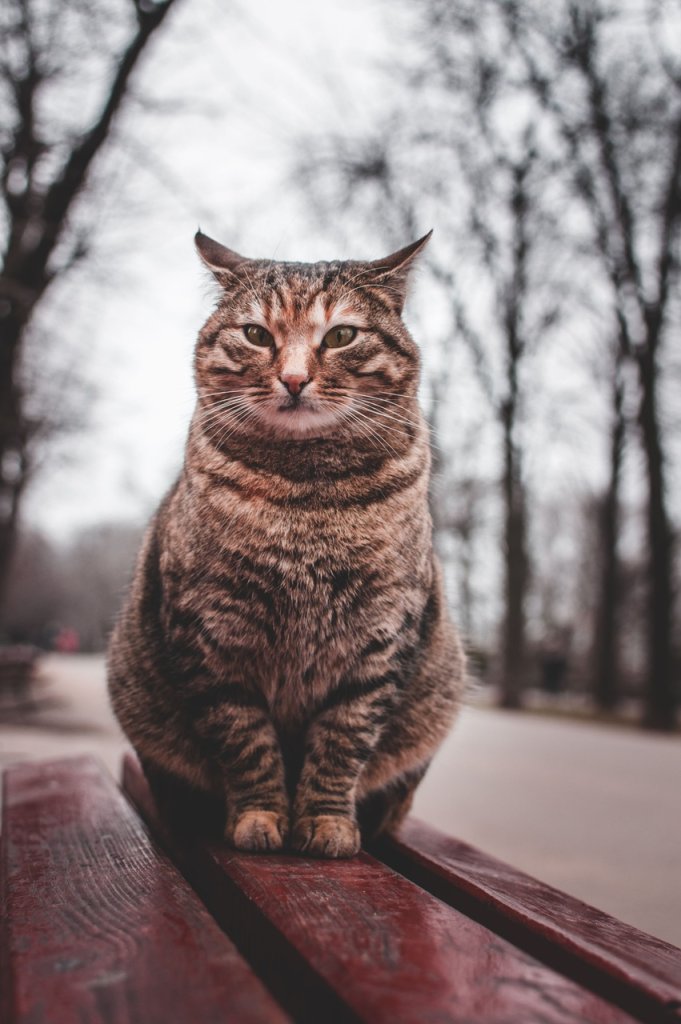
[{"x": 298, "y": 350}]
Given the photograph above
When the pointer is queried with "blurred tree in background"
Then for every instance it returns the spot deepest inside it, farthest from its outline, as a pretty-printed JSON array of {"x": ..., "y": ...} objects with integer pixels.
[
  {"x": 77, "y": 586},
  {"x": 544, "y": 143},
  {"x": 612, "y": 94},
  {"x": 65, "y": 74}
]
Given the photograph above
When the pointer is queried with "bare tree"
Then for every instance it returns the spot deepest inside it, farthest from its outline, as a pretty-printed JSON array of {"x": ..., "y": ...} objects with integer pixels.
[
  {"x": 65, "y": 74},
  {"x": 605, "y": 683},
  {"x": 458, "y": 519},
  {"x": 506, "y": 226},
  {"x": 614, "y": 100}
]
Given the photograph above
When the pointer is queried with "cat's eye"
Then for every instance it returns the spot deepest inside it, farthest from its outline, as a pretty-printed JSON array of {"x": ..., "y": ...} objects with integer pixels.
[
  {"x": 257, "y": 335},
  {"x": 337, "y": 337}
]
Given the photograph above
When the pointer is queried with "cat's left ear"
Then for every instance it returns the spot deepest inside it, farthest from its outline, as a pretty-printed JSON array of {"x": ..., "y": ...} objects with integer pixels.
[
  {"x": 393, "y": 271},
  {"x": 221, "y": 261}
]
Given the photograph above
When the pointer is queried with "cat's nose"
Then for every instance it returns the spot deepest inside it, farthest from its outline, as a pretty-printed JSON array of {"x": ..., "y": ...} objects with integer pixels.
[{"x": 294, "y": 382}]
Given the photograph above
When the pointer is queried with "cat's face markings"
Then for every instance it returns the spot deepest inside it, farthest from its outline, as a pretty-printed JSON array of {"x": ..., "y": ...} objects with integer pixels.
[
  {"x": 328, "y": 347},
  {"x": 297, "y": 368}
]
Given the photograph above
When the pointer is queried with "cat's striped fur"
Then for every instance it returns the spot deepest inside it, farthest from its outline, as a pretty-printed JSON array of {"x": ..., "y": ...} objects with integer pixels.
[{"x": 285, "y": 650}]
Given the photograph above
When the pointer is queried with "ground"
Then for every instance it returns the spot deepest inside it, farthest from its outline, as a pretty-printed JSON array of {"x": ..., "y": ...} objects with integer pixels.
[{"x": 591, "y": 809}]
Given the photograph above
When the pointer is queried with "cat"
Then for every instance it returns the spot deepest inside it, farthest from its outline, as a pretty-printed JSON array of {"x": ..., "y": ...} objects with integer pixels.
[{"x": 285, "y": 656}]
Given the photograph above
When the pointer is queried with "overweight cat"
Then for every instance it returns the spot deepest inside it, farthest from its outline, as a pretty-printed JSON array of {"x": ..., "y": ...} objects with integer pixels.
[{"x": 284, "y": 660}]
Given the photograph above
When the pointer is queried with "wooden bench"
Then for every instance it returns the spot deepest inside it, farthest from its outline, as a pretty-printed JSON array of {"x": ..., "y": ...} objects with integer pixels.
[{"x": 109, "y": 917}]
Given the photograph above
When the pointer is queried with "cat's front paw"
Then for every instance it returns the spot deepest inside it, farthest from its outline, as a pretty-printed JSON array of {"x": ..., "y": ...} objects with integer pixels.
[
  {"x": 257, "y": 831},
  {"x": 326, "y": 835}
]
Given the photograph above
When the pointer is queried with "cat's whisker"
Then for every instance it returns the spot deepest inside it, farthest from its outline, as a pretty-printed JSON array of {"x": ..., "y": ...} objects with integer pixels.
[
  {"x": 229, "y": 391},
  {"x": 382, "y": 403},
  {"x": 219, "y": 433},
  {"x": 219, "y": 410},
  {"x": 390, "y": 451},
  {"x": 219, "y": 439},
  {"x": 217, "y": 399},
  {"x": 234, "y": 391},
  {"x": 214, "y": 414},
  {"x": 360, "y": 398},
  {"x": 382, "y": 396},
  {"x": 369, "y": 410},
  {"x": 372, "y": 415},
  {"x": 369, "y": 423},
  {"x": 359, "y": 426},
  {"x": 433, "y": 444},
  {"x": 379, "y": 411},
  {"x": 218, "y": 419},
  {"x": 385, "y": 396},
  {"x": 229, "y": 396}
]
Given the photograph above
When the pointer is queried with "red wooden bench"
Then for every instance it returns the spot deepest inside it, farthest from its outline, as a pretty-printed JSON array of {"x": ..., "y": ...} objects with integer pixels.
[{"x": 109, "y": 917}]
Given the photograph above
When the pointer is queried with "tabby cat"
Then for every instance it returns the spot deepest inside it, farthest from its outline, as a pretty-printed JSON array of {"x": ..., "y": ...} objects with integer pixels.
[{"x": 284, "y": 659}]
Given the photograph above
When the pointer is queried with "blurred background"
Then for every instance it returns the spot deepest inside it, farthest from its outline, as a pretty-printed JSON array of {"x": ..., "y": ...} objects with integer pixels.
[{"x": 542, "y": 142}]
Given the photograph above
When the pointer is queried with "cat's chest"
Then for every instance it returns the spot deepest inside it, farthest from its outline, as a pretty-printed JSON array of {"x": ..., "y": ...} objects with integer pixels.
[
  {"x": 305, "y": 616},
  {"x": 291, "y": 599}
]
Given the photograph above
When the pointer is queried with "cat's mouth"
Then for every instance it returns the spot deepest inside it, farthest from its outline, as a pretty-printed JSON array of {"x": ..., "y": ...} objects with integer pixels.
[
  {"x": 300, "y": 415},
  {"x": 299, "y": 403},
  {"x": 293, "y": 403}
]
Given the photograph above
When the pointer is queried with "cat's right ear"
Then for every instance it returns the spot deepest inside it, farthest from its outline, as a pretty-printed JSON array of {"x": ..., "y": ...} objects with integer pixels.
[{"x": 222, "y": 262}]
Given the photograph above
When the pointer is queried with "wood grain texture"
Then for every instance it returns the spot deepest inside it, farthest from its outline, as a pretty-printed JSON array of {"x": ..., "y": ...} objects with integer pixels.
[
  {"x": 354, "y": 941},
  {"x": 99, "y": 925},
  {"x": 636, "y": 970}
]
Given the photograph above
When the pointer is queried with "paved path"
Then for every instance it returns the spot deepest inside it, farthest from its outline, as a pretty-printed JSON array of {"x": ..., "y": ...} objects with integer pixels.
[
  {"x": 74, "y": 716},
  {"x": 591, "y": 809},
  {"x": 594, "y": 810}
]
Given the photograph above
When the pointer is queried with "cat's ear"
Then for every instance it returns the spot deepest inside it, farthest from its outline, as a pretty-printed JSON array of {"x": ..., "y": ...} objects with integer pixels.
[
  {"x": 221, "y": 261},
  {"x": 392, "y": 272}
]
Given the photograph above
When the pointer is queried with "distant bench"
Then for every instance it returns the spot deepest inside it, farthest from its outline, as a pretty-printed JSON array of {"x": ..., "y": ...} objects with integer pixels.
[
  {"x": 17, "y": 672},
  {"x": 101, "y": 925}
]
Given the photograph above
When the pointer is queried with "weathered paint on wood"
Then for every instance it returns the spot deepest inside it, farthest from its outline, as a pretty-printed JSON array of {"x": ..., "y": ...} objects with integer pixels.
[
  {"x": 354, "y": 941},
  {"x": 99, "y": 925},
  {"x": 634, "y": 969}
]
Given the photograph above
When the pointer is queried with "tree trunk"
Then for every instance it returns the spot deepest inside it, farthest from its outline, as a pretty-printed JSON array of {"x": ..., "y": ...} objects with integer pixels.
[
  {"x": 14, "y": 463},
  {"x": 515, "y": 569},
  {"x": 660, "y": 711},
  {"x": 36, "y": 220},
  {"x": 605, "y": 685}
]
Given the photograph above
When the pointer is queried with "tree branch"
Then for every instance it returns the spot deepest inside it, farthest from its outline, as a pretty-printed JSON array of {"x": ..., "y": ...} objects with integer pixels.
[
  {"x": 65, "y": 189},
  {"x": 583, "y": 56},
  {"x": 671, "y": 219},
  {"x": 468, "y": 333}
]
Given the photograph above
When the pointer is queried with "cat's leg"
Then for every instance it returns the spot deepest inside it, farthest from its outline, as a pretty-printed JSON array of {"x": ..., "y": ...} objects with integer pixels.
[
  {"x": 339, "y": 742},
  {"x": 421, "y": 720},
  {"x": 383, "y": 810},
  {"x": 187, "y": 793},
  {"x": 233, "y": 725}
]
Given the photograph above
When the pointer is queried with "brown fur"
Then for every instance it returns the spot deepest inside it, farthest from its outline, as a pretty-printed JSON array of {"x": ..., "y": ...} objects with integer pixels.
[{"x": 285, "y": 649}]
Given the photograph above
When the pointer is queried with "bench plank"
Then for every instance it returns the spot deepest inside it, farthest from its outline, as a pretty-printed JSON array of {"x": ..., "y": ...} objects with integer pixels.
[
  {"x": 354, "y": 941},
  {"x": 99, "y": 925},
  {"x": 630, "y": 967}
]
